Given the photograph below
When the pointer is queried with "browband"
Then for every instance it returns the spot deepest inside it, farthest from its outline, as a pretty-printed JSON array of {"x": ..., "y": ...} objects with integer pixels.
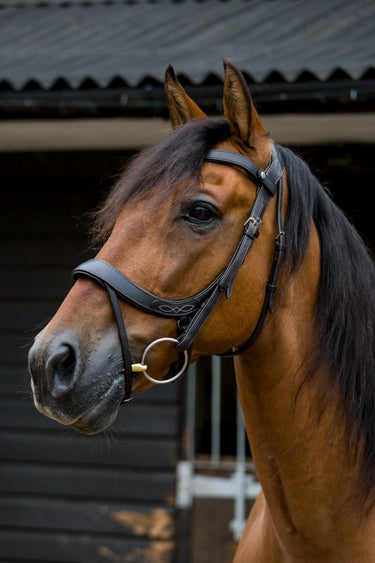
[{"x": 269, "y": 177}]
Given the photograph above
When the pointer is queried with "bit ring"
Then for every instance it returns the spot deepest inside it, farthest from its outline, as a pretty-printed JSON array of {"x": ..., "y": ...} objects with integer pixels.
[{"x": 177, "y": 375}]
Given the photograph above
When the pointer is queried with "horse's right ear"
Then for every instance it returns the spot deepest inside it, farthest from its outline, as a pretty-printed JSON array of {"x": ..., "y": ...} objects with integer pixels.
[
  {"x": 181, "y": 107},
  {"x": 239, "y": 109}
]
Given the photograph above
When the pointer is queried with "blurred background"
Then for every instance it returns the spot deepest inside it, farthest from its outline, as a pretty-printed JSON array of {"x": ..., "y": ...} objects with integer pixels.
[{"x": 81, "y": 91}]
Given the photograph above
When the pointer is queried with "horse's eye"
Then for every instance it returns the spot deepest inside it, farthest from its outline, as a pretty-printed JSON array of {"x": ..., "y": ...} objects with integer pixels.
[{"x": 200, "y": 213}]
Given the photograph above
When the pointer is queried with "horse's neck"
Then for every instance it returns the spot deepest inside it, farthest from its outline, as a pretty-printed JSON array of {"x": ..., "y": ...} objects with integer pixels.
[{"x": 299, "y": 450}]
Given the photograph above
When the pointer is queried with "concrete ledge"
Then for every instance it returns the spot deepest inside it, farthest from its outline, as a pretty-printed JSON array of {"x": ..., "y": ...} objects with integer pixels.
[{"x": 126, "y": 134}]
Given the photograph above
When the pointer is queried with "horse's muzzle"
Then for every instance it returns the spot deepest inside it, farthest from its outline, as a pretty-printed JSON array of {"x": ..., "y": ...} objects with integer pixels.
[{"x": 83, "y": 392}]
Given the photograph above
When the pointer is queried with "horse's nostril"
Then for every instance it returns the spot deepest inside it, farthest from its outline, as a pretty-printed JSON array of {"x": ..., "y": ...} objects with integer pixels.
[{"x": 61, "y": 370}]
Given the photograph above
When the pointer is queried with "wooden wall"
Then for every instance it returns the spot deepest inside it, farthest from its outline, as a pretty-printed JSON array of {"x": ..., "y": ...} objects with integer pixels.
[{"x": 66, "y": 497}]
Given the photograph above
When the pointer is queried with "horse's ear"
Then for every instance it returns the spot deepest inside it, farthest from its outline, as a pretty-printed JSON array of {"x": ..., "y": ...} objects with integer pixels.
[
  {"x": 181, "y": 107},
  {"x": 239, "y": 109}
]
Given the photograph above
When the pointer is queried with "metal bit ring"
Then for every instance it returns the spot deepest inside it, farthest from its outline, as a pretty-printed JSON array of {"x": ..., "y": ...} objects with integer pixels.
[{"x": 177, "y": 375}]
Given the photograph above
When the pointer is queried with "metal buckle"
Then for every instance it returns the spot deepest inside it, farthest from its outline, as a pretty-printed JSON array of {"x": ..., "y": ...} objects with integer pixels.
[{"x": 256, "y": 222}]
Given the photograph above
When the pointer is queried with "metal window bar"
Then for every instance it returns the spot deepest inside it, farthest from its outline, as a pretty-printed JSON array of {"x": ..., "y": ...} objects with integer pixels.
[
  {"x": 241, "y": 484},
  {"x": 215, "y": 409}
]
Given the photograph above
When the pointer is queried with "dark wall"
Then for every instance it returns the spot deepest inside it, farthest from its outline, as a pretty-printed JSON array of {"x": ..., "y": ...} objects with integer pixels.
[
  {"x": 66, "y": 497},
  {"x": 348, "y": 171}
]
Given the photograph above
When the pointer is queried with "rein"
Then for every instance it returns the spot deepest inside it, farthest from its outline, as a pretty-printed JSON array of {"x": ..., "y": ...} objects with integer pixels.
[{"x": 191, "y": 313}]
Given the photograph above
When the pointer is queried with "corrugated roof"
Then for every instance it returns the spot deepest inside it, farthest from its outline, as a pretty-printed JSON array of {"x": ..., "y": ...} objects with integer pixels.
[{"x": 73, "y": 41}]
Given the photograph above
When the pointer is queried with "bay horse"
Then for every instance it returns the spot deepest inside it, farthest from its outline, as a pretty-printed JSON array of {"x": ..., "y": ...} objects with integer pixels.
[{"x": 216, "y": 240}]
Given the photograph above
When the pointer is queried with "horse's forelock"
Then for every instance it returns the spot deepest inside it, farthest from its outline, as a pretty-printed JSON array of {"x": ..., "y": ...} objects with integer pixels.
[{"x": 175, "y": 161}]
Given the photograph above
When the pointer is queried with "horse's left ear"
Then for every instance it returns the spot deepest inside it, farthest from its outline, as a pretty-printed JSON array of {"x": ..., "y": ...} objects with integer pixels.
[
  {"x": 239, "y": 109},
  {"x": 181, "y": 107}
]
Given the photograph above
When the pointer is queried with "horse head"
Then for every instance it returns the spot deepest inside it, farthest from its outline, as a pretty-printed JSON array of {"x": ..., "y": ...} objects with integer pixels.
[{"x": 172, "y": 224}]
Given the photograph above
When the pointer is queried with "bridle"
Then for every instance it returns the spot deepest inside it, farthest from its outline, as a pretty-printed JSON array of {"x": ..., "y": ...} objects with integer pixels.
[{"x": 191, "y": 313}]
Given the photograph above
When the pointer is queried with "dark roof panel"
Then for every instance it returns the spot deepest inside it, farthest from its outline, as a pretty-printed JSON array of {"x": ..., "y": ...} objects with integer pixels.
[{"x": 96, "y": 42}]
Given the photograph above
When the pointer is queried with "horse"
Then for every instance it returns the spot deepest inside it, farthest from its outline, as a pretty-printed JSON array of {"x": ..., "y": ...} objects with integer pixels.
[{"x": 219, "y": 241}]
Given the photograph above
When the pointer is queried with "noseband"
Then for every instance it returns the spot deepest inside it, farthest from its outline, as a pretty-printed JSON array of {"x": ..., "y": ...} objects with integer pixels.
[{"x": 191, "y": 313}]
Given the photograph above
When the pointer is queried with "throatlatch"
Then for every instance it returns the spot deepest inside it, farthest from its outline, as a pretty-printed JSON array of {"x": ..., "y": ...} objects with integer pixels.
[{"x": 191, "y": 313}]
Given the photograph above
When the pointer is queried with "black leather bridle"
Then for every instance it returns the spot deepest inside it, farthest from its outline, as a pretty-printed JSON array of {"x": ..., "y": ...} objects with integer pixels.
[{"x": 191, "y": 313}]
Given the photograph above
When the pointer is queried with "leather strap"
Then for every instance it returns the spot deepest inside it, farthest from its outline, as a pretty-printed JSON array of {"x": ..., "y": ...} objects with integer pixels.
[
  {"x": 225, "y": 283},
  {"x": 269, "y": 177},
  {"x": 126, "y": 355},
  {"x": 269, "y": 299},
  {"x": 268, "y": 181},
  {"x": 107, "y": 275}
]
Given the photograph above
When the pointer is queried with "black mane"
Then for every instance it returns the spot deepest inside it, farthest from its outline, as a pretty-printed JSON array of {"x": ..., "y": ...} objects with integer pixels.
[
  {"x": 174, "y": 161},
  {"x": 345, "y": 315}
]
